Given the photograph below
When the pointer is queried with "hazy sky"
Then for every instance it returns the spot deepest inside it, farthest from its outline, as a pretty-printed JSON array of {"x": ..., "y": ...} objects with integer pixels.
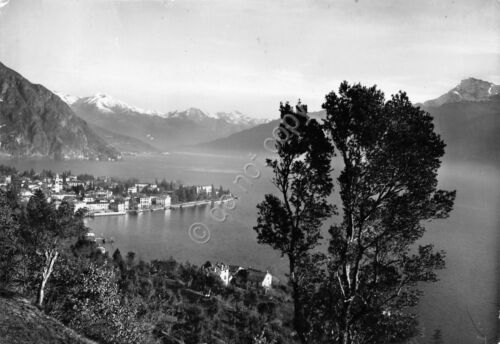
[{"x": 248, "y": 55}]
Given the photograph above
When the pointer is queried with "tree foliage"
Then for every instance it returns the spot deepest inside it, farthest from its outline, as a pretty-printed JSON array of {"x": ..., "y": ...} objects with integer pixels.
[
  {"x": 291, "y": 221},
  {"x": 388, "y": 189},
  {"x": 10, "y": 246},
  {"x": 93, "y": 306},
  {"x": 45, "y": 230}
]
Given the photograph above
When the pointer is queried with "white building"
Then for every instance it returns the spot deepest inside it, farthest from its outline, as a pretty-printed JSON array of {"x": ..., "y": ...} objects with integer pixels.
[
  {"x": 58, "y": 184},
  {"x": 79, "y": 205},
  {"x": 145, "y": 202},
  {"x": 72, "y": 183},
  {"x": 90, "y": 236},
  {"x": 222, "y": 270},
  {"x": 119, "y": 207},
  {"x": 206, "y": 188},
  {"x": 61, "y": 196},
  {"x": 26, "y": 195},
  {"x": 104, "y": 193},
  {"x": 139, "y": 187},
  {"x": 127, "y": 203},
  {"x": 268, "y": 280},
  {"x": 34, "y": 186},
  {"x": 163, "y": 201},
  {"x": 259, "y": 278},
  {"x": 97, "y": 206}
]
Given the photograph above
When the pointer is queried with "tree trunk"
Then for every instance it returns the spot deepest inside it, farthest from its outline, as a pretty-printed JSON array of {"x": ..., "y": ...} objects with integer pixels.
[
  {"x": 50, "y": 259},
  {"x": 347, "y": 337},
  {"x": 298, "y": 321}
]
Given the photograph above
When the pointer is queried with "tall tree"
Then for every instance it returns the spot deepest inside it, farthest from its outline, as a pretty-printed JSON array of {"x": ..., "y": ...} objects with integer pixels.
[
  {"x": 45, "y": 231},
  {"x": 291, "y": 221},
  {"x": 388, "y": 189}
]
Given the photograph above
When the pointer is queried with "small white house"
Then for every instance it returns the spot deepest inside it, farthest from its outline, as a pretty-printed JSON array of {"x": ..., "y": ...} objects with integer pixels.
[
  {"x": 267, "y": 282},
  {"x": 90, "y": 236},
  {"x": 222, "y": 270}
]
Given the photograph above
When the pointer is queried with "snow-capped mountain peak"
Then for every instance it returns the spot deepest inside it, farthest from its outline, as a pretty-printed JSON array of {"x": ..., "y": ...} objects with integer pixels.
[
  {"x": 193, "y": 114},
  {"x": 68, "y": 99},
  {"x": 108, "y": 104}
]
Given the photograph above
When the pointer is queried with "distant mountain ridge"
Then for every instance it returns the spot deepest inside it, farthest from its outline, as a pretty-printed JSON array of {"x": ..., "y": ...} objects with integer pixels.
[
  {"x": 162, "y": 131},
  {"x": 251, "y": 139},
  {"x": 235, "y": 117},
  {"x": 469, "y": 125},
  {"x": 470, "y": 89},
  {"x": 35, "y": 123},
  {"x": 109, "y": 104}
]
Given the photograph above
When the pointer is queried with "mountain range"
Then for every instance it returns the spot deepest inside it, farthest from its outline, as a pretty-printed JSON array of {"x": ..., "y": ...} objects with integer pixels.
[
  {"x": 157, "y": 131},
  {"x": 38, "y": 123},
  {"x": 35, "y": 122},
  {"x": 467, "y": 118}
]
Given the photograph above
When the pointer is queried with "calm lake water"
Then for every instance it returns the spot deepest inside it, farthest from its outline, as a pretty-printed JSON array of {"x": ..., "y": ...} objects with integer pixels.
[{"x": 468, "y": 288}]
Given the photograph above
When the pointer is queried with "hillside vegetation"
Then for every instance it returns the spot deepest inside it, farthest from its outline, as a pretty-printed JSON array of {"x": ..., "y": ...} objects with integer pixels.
[{"x": 23, "y": 323}]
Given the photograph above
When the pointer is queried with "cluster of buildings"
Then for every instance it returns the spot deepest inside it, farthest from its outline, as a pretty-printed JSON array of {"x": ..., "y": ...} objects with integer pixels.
[
  {"x": 240, "y": 275},
  {"x": 97, "y": 200}
]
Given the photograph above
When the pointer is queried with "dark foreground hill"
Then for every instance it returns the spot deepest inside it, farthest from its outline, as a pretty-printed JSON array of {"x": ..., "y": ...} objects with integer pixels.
[
  {"x": 23, "y": 323},
  {"x": 34, "y": 122}
]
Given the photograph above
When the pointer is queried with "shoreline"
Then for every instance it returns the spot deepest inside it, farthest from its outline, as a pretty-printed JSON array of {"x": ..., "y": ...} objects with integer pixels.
[{"x": 171, "y": 207}]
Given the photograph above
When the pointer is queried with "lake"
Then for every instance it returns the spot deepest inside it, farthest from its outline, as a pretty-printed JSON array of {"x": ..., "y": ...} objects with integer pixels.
[{"x": 462, "y": 304}]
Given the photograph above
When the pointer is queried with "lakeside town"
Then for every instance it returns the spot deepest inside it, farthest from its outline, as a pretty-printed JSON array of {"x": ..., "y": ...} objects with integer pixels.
[
  {"x": 101, "y": 196},
  {"x": 104, "y": 195}
]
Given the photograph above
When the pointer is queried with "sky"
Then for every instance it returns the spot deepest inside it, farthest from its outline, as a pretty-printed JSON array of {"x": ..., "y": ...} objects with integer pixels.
[{"x": 246, "y": 55}]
